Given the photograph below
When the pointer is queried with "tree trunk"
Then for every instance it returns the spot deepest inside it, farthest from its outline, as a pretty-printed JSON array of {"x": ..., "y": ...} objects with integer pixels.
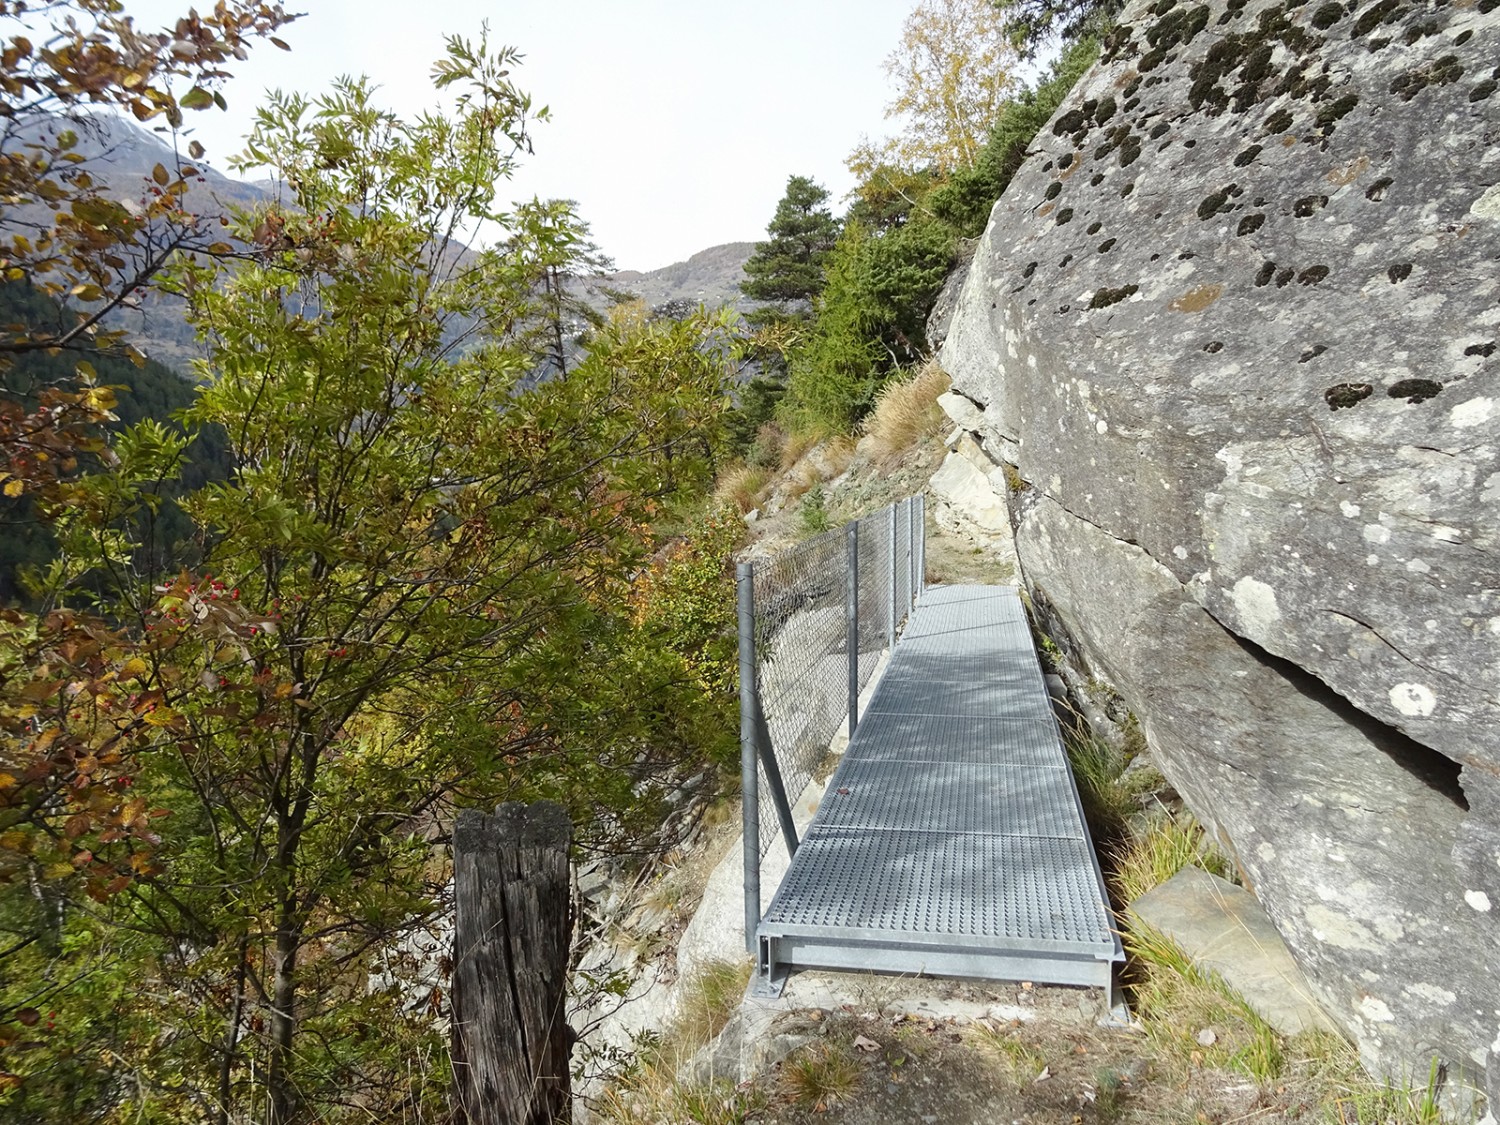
[
  {"x": 511, "y": 936},
  {"x": 281, "y": 1108},
  {"x": 232, "y": 1033}
]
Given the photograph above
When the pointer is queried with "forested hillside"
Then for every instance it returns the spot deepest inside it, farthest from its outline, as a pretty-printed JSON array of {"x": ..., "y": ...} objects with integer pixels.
[{"x": 149, "y": 392}]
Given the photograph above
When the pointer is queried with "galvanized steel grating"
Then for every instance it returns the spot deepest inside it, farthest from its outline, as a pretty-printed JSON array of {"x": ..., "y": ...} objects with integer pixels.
[
  {"x": 952, "y": 825},
  {"x": 944, "y": 697},
  {"x": 1005, "y": 800},
  {"x": 1010, "y": 740},
  {"x": 895, "y": 886}
]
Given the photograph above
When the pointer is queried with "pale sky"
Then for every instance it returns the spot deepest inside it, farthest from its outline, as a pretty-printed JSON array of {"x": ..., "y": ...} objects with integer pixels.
[{"x": 675, "y": 122}]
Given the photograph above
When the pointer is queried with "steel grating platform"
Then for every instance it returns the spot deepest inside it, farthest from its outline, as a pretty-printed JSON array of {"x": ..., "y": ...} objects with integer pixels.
[{"x": 950, "y": 840}]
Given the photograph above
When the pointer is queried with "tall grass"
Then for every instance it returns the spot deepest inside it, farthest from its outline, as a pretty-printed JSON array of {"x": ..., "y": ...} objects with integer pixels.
[
  {"x": 1099, "y": 771},
  {"x": 1149, "y": 860},
  {"x": 1179, "y": 1001},
  {"x": 652, "y": 1093},
  {"x": 905, "y": 413},
  {"x": 709, "y": 998},
  {"x": 741, "y": 487}
]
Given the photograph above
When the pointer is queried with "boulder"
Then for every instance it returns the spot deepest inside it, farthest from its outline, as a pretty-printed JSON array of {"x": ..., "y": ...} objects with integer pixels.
[
  {"x": 963, "y": 412},
  {"x": 1237, "y": 321},
  {"x": 1223, "y": 929}
]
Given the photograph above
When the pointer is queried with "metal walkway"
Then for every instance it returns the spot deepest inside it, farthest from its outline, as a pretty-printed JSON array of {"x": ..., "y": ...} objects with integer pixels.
[{"x": 950, "y": 840}]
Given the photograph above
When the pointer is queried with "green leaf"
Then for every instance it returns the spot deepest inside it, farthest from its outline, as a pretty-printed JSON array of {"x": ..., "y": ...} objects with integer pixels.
[{"x": 197, "y": 98}]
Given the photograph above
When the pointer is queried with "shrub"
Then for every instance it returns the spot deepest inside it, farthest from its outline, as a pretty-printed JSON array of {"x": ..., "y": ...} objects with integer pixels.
[
  {"x": 680, "y": 599},
  {"x": 813, "y": 514}
]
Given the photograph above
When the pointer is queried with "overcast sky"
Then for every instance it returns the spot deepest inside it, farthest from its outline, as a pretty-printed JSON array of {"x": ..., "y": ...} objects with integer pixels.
[{"x": 675, "y": 122}]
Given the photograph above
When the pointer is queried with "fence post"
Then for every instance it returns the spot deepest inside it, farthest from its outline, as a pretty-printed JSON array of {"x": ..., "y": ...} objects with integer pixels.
[
  {"x": 511, "y": 936},
  {"x": 921, "y": 551},
  {"x": 744, "y": 581},
  {"x": 890, "y": 623},
  {"x": 851, "y": 619},
  {"x": 911, "y": 550},
  {"x": 772, "y": 769}
]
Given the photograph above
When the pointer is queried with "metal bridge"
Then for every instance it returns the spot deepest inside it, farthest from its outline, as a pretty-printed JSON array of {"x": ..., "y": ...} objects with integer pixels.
[{"x": 950, "y": 840}]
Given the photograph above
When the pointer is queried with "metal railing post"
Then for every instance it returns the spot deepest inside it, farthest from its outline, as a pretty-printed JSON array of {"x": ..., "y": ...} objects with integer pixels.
[
  {"x": 921, "y": 551},
  {"x": 851, "y": 620},
  {"x": 777, "y": 787},
  {"x": 890, "y": 617},
  {"x": 744, "y": 580},
  {"x": 911, "y": 550}
]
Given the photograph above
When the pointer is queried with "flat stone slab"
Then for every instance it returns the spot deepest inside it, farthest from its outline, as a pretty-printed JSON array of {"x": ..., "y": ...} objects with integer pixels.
[{"x": 1225, "y": 931}]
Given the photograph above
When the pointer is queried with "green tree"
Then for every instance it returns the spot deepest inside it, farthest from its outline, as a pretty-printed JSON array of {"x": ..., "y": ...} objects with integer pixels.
[
  {"x": 833, "y": 372},
  {"x": 899, "y": 245},
  {"x": 565, "y": 255},
  {"x": 1033, "y": 25},
  {"x": 786, "y": 270},
  {"x": 413, "y": 598}
]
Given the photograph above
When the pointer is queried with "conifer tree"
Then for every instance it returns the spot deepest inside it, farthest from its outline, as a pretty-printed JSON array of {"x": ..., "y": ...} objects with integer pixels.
[{"x": 787, "y": 268}]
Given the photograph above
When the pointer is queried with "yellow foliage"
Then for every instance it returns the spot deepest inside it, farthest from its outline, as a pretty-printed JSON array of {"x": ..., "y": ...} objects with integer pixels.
[{"x": 953, "y": 71}]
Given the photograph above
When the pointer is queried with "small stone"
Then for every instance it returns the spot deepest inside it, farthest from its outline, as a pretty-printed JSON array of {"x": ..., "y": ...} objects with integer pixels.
[{"x": 1207, "y": 1037}]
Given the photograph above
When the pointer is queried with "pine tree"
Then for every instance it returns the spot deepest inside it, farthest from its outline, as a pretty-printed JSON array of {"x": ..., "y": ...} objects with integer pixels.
[{"x": 788, "y": 267}]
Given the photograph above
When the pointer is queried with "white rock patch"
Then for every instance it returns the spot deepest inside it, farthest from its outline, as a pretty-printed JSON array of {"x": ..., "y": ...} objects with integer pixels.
[
  {"x": 1487, "y": 206},
  {"x": 1255, "y": 602},
  {"x": 1475, "y": 412},
  {"x": 1431, "y": 993},
  {"x": 1413, "y": 700},
  {"x": 1478, "y": 900}
]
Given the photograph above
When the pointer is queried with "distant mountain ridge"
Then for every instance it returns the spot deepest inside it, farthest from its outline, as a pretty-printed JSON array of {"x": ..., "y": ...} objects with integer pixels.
[
  {"x": 710, "y": 276},
  {"x": 121, "y": 155}
]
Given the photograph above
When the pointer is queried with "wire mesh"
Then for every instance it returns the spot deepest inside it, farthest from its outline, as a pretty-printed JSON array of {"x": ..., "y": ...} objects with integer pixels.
[
  {"x": 801, "y": 665},
  {"x": 801, "y": 632},
  {"x": 874, "y": 539}
]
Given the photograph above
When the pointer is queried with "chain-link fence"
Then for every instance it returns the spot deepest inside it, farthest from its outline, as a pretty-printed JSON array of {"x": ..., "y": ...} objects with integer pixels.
[{"x": 814, "y": 621}]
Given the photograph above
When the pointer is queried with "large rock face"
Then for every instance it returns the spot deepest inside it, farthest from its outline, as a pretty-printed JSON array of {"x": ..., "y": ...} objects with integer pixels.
[{"x": 1237, "y": 321}]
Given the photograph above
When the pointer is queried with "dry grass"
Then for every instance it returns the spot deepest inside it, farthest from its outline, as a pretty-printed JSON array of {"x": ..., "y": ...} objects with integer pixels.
[
  {"x": 654, "y": 1094},
  {"x": 820, "y": 1076},
  {"x": 742, "y": 487},
  {"x": 656, "y": 1099},
  {"x": 1020, "y": 1059},
  {"x": 708, "y": 1000},
  {"x": 905, "y": 413},
  {"x": 817, "y": 463},
  {"x": 795, "y": 446}
]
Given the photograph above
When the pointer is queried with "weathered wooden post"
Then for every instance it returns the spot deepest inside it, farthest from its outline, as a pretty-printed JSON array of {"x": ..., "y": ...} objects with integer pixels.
[{"x": 512, "y": 930}]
